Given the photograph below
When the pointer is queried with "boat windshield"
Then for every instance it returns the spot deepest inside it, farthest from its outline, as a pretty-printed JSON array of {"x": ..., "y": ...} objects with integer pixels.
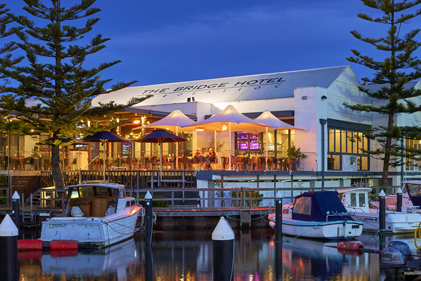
[
  {"x": 302, "y": 206},
  {"x": 414, "y": 190},
  {"x": 90, "y": 190}
]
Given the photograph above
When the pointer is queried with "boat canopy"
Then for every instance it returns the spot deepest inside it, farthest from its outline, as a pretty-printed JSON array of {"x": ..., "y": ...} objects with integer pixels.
[{"x": 319, "y": 206}]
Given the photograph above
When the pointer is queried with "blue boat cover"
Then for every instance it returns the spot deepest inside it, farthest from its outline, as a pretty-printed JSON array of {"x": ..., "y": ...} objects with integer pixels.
[{"x": 315, "y": 205}]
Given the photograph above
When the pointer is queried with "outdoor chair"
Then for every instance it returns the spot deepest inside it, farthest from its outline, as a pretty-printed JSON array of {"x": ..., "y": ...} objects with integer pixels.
[
  {"x": 166, "y": 163},
  {"x": 238, "y": 163}
]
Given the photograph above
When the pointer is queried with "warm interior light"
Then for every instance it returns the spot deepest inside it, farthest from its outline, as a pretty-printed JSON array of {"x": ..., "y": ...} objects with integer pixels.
[
  {"x": 224, "y": 127},
  {"x": 136, "y": 121},
  {"x": 200, "y": 129}
]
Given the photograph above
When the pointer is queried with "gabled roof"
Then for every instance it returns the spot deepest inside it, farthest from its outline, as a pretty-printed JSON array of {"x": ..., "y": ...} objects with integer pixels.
[{"x": 240, "y": 88}]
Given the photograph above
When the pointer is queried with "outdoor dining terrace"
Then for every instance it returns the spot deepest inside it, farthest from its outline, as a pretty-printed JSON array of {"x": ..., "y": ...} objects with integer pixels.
[{"x": 253, "y": 162}]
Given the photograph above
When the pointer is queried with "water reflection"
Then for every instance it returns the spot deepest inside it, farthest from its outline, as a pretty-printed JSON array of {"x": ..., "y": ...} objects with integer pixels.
[{"x": 188, "y": 256}]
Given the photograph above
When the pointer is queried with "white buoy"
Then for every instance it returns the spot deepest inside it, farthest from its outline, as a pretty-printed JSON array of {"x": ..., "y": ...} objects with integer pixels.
[
  {"x": 223, "y": 251},
  {"x": 9, "y": 250}
]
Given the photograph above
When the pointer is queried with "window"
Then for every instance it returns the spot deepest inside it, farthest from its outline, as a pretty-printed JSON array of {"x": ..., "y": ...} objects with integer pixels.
[
  {"x": 346, "y": 142},
  {"x": 361, "y": 200},
  {"x": 302, "y": 206}
]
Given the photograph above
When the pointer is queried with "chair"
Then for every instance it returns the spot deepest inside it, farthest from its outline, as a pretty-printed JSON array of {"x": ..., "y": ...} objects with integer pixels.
[
  {"x": 254, "y": 165},
  {"x": 238, "y": 163},
  {"x": 76, "y": 212},
  {"x": 166, "y": 163},
  {"x": 225, "y": 162},
  {"x": 197, "y": 162},
  {"x": 152, "y": 163}
]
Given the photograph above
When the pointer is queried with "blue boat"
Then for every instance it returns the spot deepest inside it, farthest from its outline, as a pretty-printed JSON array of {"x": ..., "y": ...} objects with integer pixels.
[{"x": 318, "y": 214}]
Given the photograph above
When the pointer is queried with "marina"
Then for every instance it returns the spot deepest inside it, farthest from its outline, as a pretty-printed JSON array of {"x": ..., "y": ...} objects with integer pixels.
[{"x": 187, "y": 255}]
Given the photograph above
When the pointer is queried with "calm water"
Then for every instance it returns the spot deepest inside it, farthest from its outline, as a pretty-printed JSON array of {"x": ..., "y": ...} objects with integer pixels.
[{"x": 188, "y": 256}]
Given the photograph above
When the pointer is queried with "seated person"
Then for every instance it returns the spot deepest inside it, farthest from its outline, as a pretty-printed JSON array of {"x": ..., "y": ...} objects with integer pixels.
[{"x": 210, "y": 157}]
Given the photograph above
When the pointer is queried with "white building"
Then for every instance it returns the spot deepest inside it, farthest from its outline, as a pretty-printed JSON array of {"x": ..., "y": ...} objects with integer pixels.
[{"x": 303, "y": 98}]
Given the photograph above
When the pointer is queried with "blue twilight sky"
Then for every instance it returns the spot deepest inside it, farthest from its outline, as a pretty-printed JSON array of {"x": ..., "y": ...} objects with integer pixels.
[{"x": 162, "y": 41}]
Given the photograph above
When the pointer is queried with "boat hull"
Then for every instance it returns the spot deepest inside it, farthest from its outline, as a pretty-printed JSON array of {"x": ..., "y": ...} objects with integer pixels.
[
  {"x": 103, "y": 231},
  {"x": 396, "y": 223},
  {"x": 321, "y": 230}
]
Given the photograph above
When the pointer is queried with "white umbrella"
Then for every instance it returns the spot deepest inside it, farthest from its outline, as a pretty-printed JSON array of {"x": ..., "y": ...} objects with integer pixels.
[
  {"x": 231, "y": 119},
  {"x": 175, "y": 122},
  {"x": 271, "y": 120}
]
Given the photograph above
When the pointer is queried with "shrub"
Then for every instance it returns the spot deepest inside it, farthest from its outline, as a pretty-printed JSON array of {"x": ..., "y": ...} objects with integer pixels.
[
  {"x": 256, "y": 198},
  {"x": 155, "y": 203}
]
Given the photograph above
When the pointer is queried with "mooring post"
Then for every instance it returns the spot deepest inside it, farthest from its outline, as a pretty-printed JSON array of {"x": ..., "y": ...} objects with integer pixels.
[
  {"x": 382, "y": 219},
  {"x": 15, "y": 207},
  {"x": 399, "y": 200},
  {"x": 148, "y": 263},
  {"x": 148, "y": 218},
  {"x": 223, "y": 251},
  {"x": 278, "y": 221},
  {"x": 278, "y": 261},
  {"x": 9, "y": 250}
]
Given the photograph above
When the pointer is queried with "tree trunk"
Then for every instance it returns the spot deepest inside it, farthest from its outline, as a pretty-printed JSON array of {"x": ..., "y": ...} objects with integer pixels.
[
  {"x": 386, "y": 160},
  {"x": 55, "y": 163}
]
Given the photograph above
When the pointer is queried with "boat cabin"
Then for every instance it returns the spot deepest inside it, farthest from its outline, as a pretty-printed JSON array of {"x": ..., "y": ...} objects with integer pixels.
[
  {"x": 96, "y": 199},
  {"x": 413, "y": 189},
  {"x": 323, "y": 206},
  {"x": 355, "y": 199}
]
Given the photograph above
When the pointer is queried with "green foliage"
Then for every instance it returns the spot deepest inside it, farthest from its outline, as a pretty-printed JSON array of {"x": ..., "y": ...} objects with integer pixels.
[
  {"x": 294, "y": 152},
  {"x": 155, "y": 203},
  {"x": 54, "y": 75},
  {"x": 3, "y": 183},
  {"x": 256, "y": 197},
  {"x": 399, "y": 66}
]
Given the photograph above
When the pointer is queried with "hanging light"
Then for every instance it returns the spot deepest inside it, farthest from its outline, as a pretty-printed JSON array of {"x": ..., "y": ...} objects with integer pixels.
[
  {"x": 136, "y": 121},
  {"x": 224, "y": 127},
  {"x": 200, "y": 129}
]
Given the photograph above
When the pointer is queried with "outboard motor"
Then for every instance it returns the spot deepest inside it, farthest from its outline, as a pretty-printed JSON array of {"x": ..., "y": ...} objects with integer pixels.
[{"x": 396, "y": 254}]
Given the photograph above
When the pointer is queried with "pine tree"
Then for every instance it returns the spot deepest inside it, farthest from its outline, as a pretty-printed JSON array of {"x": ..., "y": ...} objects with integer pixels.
[
  {"x": 394, "y": 72},
  {"x": 53, "y": 74}
]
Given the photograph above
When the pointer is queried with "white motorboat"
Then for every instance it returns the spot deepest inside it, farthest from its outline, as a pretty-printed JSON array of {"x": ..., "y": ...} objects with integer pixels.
[
  {"x": 96, "y": 214},
  {"x": 357, "y": 203},
  {"x": 318, "y": 214}
]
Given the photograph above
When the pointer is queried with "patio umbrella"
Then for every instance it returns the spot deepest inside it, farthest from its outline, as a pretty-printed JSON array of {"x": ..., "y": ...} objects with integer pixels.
[
  {"x": 271, "y": 120},
  {"x": 175, "y": 122},
  {"x": 231, "y": 119},
  {"x": 103, "y": 137},
  {"x": 160, "y": 136}
]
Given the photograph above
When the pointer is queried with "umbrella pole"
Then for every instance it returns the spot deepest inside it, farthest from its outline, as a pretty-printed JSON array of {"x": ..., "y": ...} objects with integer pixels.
[
  {"x": 267, "y": 148},
  {"x": 160, "y": 163},
  {"x": 176, "y": 150},
  {"x": 214, "y": 144},
  {"x": 229, "y": 137},
  {"x": 103, "y": 164}
]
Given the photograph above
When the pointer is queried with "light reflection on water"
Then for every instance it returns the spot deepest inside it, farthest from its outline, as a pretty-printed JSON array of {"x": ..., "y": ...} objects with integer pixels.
[{"x": 188, "y": 256}]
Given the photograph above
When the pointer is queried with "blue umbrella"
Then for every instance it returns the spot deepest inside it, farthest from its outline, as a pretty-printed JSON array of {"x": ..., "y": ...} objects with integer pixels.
[
  {"x": 104, "y": 137},
  {"x": 160, "y": 136}
]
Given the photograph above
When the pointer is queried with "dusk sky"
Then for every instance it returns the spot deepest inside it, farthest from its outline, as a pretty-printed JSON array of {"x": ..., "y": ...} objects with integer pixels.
[{"x": 164, "y": 41}]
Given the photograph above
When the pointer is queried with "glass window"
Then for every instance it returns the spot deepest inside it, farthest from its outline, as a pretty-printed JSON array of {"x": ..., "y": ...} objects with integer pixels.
[
  {"x": 85, "y": 191},
  {"x": 361, "y": 199},
  {"x": 302, "y": 205},
  {"x": 349, "y": 142},
  {"x": 343, "y": 142},
  {"x": 331, "y": 140},
  {"x": 337, "y": 140},
  {"x": 353, "y": 200}
]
